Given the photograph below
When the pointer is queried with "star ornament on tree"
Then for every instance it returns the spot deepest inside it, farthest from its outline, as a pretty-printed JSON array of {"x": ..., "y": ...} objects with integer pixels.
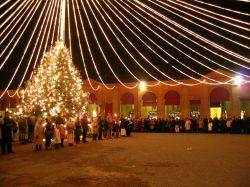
[{"x": 56, "y": 85}]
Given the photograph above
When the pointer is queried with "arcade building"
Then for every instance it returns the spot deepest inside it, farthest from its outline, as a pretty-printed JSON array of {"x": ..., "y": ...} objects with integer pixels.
[{"x": 161, "y": 101}]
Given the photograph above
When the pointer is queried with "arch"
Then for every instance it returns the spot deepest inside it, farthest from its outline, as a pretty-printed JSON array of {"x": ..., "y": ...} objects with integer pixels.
[
  {"x": 127, "y": 98},
  {"x": 219, "y": 94},
  {"x": 92, "y": 98},
  {"x": 149, "y": 99},
  {"x": 172, "y": 98}
]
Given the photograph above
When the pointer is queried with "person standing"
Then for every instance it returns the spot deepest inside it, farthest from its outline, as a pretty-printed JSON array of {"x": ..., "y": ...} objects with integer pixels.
[
  {"x": 31, "y": 128},
  {"x": 23, "y": 129},
  {"x": 94, "y": 127},
  {"x": 1, "y": 137},
  {"x": 188, "y": 124},
  {"x": 116, "y": 128},
  {"x": 62, "y": 130},
  {"x": 57, "y": 139},
  {"x": 128, "y": 127},
  {"x": 100, "y": 123},
  {"x": 122, "y": 126},
  {"x": 70, "y": 130},
  {"x": 49, "y": 132},
  {"x": 6, "y": 128},
  {"x": 110, "y": 125},
  {"x": 84, "y": 124},
  {"x": 78, "y": 130},
  {"x": 39, "y": 134},
  {"x": 60, "y": 122}
]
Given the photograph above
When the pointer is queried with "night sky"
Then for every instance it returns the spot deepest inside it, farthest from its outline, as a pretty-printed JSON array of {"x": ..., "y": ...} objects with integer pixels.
[{"x": 165, "y": 32}]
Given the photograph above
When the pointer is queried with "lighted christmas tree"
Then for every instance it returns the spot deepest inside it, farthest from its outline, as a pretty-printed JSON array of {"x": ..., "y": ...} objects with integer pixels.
[{"x": 56, "y": 86}]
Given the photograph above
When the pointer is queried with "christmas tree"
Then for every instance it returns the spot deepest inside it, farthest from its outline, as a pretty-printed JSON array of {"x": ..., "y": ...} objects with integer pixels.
[{"x": 56, "y": 86}]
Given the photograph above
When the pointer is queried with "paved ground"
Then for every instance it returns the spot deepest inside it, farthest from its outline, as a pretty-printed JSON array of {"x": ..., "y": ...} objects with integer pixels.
[{"x": 141, "y": 160}]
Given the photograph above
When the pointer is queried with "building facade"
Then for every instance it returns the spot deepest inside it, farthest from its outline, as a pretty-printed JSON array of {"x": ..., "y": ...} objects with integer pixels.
[
  {"x": 204, "y": 100},
  {"x": 161, "y": 101}
]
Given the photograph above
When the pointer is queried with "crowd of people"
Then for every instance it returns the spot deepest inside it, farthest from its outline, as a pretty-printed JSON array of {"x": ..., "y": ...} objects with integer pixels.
[
  {"x": 42, "y": 131},
  {"x": 215, "y": 125}
]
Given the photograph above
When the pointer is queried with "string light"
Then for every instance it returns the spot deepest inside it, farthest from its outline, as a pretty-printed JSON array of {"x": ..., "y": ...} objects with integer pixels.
[
  {"x": 48, "y": 18},
  {"x": 79, "y": 44},
  {"x": 14, "y": 19},
  {"x": 178, "y": 83},
  {"x": 20, "y": 35},
  {"x": 191, "y": 49},
  {"x": 12, "y": 6},
  {"x": 101, "y": 48},
  {"x": 159, "y": 47},
  {"x": 213, "y": 44},
  {"x": 111, "y": 46},
  {"x": 89, "y": 49},
  {"x": 221, "y": 15},
  {"x": 13, "y": 76},
  {"x": 172, "y": 45},
  {"x": 59, "y": 91},
  {"x": 207, "y": 22},
  {"x": 20, "y": 10},
  {"x": 25, "y": 53}
]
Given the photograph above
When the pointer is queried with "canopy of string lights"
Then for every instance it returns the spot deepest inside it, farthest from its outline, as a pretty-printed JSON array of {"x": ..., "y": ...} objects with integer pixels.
[{"x": 129, "y": 40}]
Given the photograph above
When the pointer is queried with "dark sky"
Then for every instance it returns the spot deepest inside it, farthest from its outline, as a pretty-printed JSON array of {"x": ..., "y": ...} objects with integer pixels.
[{"x": 165, "y": 32}]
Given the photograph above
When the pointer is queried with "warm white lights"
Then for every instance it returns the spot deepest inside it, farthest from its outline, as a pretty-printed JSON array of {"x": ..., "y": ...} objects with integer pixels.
[
  {"x": 142, "y": 86},
  {"x": 238, "y": 80},
  {"x": 94, "y": 114},
  {"x": 60, "y": 90},
  {"x": 175, "y": 43}
]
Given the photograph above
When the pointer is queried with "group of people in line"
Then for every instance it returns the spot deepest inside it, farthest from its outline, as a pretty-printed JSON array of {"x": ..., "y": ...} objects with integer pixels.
[
  {"x": 42, "y": 131},
  {"x": 193, "y": 124}
]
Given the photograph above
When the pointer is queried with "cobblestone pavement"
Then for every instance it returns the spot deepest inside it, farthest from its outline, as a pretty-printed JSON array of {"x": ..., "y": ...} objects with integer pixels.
[{"x": 174, "y": 160}]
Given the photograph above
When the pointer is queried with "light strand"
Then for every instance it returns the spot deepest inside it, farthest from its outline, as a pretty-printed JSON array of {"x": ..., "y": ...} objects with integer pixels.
[
  {"x": 12, "y": 6},
  {"x": 169, "y": 43},
  {"x": 82, "y": 56},
  {"x": 219, "y": 14},
  {"x": 104, "y": 56},
  {"x": 20, "y": 35},
  {"x": 214, "y": 18},
  {"x": 89, "y": 49},
  {"x": 35, "y": 46},
  {"x": 178, "y": 83},
  {"x": 20, "y": 61},
  {"x": 213, "y": 44},
  {"x": 36, "y": 60},
  {"x": 6, "y": 2},
  {"x": 191, "y": 49},
  {"x": 207, "y": 22},
  {"x": 159, "y": 46},
  {"x": 12, "y": 20},
  {"x": 112, "y": 47}
]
